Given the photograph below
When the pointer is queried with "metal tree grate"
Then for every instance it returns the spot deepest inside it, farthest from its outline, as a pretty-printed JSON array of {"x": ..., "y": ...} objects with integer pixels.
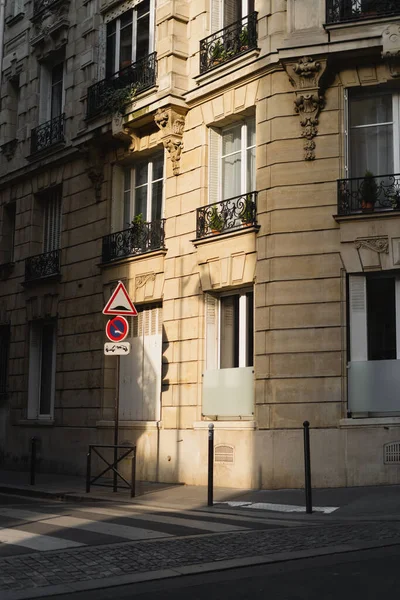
[
  {"x": 224, "y": 454},
  {"x": 391, "y": 453}
]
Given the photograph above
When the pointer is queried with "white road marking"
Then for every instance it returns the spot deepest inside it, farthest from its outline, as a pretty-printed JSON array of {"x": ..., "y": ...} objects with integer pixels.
[
  {"x": 192, "y": 523},
  {"x": 122, "y": 531},
  {"x": 35, "y": 541},
  {"x": 26, "y": 515},
  {"x": 282, "y": 507}
]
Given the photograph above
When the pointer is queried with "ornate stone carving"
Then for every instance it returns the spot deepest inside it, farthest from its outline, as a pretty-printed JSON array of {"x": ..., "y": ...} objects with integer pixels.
[
  {"x": 391, "y": 48},
  {"x": 50, "y": 32},
  {"x": 376, "y": 244},
  {"x": 95, "y": 164},
  {"x": 171, "y": 124},
  {"x": 8, "y": 149},
  {"x": 124, "y": 133},
  {"x": 141, "y": 280},
  {"x": 305, "y": 76}
]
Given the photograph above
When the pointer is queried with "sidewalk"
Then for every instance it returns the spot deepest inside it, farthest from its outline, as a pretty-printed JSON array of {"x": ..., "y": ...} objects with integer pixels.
[{"x": 374, "y": 502}]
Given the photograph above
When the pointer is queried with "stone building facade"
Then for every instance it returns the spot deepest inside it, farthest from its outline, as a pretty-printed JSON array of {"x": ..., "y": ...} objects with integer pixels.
[{"x": 234, "y": 163}]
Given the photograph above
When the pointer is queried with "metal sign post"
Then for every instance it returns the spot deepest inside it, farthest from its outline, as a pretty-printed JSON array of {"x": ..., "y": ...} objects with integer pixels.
[{"x": 116, "y": 427}]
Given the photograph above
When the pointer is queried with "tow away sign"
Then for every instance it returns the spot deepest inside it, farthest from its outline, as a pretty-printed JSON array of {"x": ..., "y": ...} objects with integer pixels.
[{"x": 117, "y": 349}]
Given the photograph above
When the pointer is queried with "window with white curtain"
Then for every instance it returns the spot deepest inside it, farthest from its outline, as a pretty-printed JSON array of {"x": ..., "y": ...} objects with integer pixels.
[
  {"x": 130, "y": 37},
  {"x": 373, "y": 132},
  {"x": 52, "y": 203},
  {"x": 229, "y": 330},
  {"x": 232, "y": 161},
  {"x": 143, "y": 190},
  {"x": 51, "y": 91},
  {"x": 226, "y": 12}
]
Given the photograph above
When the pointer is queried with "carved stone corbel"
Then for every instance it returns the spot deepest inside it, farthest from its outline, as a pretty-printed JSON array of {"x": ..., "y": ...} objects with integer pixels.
[
  {"x": 95, "y": 168},
  {"x": 122, "y": 132},
  {"x": 171, "y": 124},
  {"x": 391, "y": 48},
  {"x": 305, "y": 75}
]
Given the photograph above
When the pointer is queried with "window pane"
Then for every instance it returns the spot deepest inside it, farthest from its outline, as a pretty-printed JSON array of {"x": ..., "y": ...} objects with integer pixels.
[
  {"x": 143, "y": 8},
  {"x": 56, "y": 90},
  {"x": 229, "y": 357},
  {"x": 371, "y": 148},
  {"x": 125, "y": 52},
  {"x": 141, "y": 173},
  {"x": 251, "y": 170},
  {"x": 231, "y": 140},
  {"x": 142, "y": 37},
  {"x": 156, "y": 200},
  {"x": 158, "y": 167},
  {"x": 381, "y": 318},
  {"x": 46, "y": 368},
  {"x": 126, "y": 19},
  {"x": 251, "y": 132},
  {"x": 231, "y": 176},
  {"x": 110, "y": 53},
  {"x": 250, "y": 329},
  {"x": 375, "y": 109},
  {"x": 141, "y": 202},
  {"x": 127, "y": 198}
]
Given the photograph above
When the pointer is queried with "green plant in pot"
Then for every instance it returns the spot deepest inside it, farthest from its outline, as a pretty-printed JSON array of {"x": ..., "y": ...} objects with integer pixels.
[
  {"x": 115, "y": 100},
  {"x": 138, "y": 221},
  {"x": 369, "y": 192},
  {"x": 216, "y": 222},
  {"x": 244, "y": 39},
  {"x": 247, "y": 215},
  {"x": 217, "y": 53}
]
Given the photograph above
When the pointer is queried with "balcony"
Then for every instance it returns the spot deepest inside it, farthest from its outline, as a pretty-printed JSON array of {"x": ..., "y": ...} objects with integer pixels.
[
  {"x": 40, "y": 5},
  {"x": 140, "y": 75},
  {"x": 138, "y": 239},
  {"x": 42, "y": 266},
  {"x": 228, "y": 43},
  {"x": 368, "y": 194},
  {"x": 228, "y": 215},
  {"x": 48, "y": 134},
  {"x": 340, "y": 11}
]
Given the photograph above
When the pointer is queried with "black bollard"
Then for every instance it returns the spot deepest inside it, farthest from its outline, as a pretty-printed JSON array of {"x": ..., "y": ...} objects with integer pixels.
[
  {"x": 307, "y": 467},
  {"x": 88, "y": 469},
  {"x": 133, "y": 474},
  {"x": 210, "y": 464}
]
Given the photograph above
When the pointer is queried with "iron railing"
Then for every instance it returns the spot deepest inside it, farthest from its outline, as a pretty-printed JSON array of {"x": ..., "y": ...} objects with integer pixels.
[
  {"x": 228, "y": 215},
  {"x": 226, "y": 44},
  {"x": 40, "y": 5},
  {"x": 141, "y": 75},
  {"x": 48, "y": 134},
  {"x": 111, "y": 466},
  {"x": 138, "y": 239},
  {"x": 42, "y": 265},
  {"x": 338, "y": 11},
  {"x": 368, "y": 194}
]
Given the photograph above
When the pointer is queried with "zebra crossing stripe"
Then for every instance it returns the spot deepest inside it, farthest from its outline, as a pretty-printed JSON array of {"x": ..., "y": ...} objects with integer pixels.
[
  {"x": 25, "y": 515},
  {"x": 191, "y": 523},
  {"x": 122, "y": 531},
  {"x": 35, "y": 541}
]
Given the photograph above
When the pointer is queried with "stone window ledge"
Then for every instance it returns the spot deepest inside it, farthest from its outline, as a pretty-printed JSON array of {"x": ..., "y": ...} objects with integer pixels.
[
  {"x": 226, "y": 424},
  {"x": 10, "y": 21},
  {"x": 224, "y": 235},
  {"x": 369, "y": 422},
  {"x": 36, "y": 422},
  {"x": 232, "y": 65},
  {"x": 147, "y": 425},
  {"x": 132, "y": 258}
]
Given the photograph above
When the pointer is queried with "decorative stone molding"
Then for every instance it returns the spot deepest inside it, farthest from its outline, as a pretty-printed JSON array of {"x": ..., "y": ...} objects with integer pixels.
[
  {"x": 376, "y": 244},
  {"x": 141, "y": 280},
  {"x": 42, "y": 307},
  {"x": 95, "y": 168},
  {"x": 171, "y": 124},
  {"x": 391, "y": 48},
  {"x": 50, "y": 33},
  {"x": 305, "y": 75},
  {"x": 8, "y": 149},
  {"x": 122, "y": 132}
]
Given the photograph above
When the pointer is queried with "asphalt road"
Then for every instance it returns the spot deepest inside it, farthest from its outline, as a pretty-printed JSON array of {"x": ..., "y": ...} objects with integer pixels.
[{"x": 363, "y": 575}]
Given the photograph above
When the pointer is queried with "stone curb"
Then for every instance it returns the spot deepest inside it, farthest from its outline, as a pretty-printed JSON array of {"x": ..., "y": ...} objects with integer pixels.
[{"x": 223, "y": 565}]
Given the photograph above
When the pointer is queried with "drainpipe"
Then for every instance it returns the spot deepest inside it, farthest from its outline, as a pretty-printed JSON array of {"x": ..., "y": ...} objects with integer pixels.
[{"x": 2, "y": 12}]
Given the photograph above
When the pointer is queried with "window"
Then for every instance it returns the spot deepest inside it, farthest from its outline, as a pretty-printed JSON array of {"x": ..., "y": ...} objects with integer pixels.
[
  {"x": 42, "y": 369},
  {"x": 232, "y": 169},
  {"x": 130, "y": 37},
  {"x": 52, "y": 202},
  {"x": 143, "y": 190},
  {"x": 373, "y": 132},
  {"x": 4, "y": 352},
  {"x": 8, "y": 233},
  {"x": 229, "y": 330},
  {"x": 226, "y": 12},
  {"x": 51, "y": 91}
]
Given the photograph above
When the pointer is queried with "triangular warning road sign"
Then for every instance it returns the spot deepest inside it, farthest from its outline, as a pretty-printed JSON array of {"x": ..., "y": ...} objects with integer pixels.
[{"x": 120, "y": 303}]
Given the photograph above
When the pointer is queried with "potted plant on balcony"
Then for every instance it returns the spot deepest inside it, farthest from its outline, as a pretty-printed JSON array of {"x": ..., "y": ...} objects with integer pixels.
[
  {"x": 244, "y": 39},
  {"x": 369, "y": 192},
  {"x": 116, "y": 99},
  {"x": 247, "y": 216},
  {"x": 217, "y": 53},
  {"x": 216, "y": 222}
]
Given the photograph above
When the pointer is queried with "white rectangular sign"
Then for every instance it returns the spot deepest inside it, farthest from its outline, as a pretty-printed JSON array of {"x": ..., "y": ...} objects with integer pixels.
[{"x": 117, "y": 348}]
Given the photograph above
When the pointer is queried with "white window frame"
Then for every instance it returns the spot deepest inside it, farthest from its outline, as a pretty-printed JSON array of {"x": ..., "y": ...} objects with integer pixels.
[
  {"x": 218, "y": 13},
  {"x": 243, "y": 152},
  {"x": 213, "y": 346},
  {"x": 52, "y": 220},
  {"x": 134, "y": 31},
  {"x": 35, "y": 371},
  {"x": 132, "y": 203},
  {"x": 46, "y": 88},
  {"x": 395, "y": 128}
]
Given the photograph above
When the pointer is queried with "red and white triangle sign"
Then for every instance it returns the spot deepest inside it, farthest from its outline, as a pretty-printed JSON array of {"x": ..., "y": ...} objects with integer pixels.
[{"x": 120, "y": 303}]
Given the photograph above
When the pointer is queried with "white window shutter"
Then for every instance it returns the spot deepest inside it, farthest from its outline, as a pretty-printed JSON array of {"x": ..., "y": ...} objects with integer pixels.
[
  {"x": 231, "y": 12},
  {"x": 211, "y": 332},
  {"x": 52, "y": 222},
  {"x": 117, "y": 201},
  {"x": 358, "y": 318},
  {"x": 214, "y": 166},
  {"x": 216, "y": 10},
  {"x": 34, "y": 370}
]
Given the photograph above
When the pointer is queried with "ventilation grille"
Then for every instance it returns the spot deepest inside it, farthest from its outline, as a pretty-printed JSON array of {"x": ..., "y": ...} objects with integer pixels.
[
  {"x": 223, "y": 454},
  {"x": 391, "y": 453}
]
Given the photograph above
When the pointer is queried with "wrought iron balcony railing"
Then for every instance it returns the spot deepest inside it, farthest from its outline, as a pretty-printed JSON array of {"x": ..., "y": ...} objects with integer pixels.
[
  {"x": 368, "y": 194},
  {"x": 228, "y": 215},
  {"x": 47, "y": 134},
  {"x": 141, "y": 75},
  {"x": 40, "y": 5},
  {"x": 226, "y": 44},
  {"x": 42, "y": 265},
  {"x": 138, "y": 239},
  {"x": 338, "y": 11}
]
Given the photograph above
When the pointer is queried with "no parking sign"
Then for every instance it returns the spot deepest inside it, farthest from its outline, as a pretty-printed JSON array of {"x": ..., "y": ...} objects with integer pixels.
[{"x": 117, "y": 329}]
